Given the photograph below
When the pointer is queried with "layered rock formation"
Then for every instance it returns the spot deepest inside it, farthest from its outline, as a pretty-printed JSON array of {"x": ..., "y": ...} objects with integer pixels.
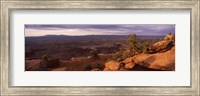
[{"x": 164, "y": 45}]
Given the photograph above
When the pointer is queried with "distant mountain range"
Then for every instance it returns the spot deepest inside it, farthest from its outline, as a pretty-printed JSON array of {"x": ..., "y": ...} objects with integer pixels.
[
  {"x": 92, "y": 36},
  {"x": 61, "y": 38}
]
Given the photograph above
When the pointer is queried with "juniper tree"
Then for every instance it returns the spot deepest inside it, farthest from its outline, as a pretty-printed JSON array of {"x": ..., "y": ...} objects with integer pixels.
[{"x": 132, "y": 42}]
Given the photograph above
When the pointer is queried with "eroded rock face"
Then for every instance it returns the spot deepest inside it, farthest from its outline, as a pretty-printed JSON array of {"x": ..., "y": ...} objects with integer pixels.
[
  {"x": 112, "y": 66},
  {"x": 170, "y": 37},
  {"x": 164, "y": 45},
  {"x": 161, "y": 61}
]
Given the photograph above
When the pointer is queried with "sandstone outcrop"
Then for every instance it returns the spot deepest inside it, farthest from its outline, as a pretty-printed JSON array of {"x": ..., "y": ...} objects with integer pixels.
[
  {"x": 160, "y": 56},
  {"x": 112, "y": 66},
  {"x": 129, "y": 64},
  {"x": 169, "y": 37},
  {"x": 161, "y": 61},
  {"x": 164, "y": 45}
]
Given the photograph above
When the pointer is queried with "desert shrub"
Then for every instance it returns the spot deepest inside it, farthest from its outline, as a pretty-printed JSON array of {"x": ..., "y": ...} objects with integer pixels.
[
  {"x": 144, "y": 47},
  {"x": 135, "y": 46},
  {"x": 127, "y": 54},
  {"x": 119, "y": 56},
  {"x": 88, "y": 67},
  {"x": 49, "y": 62},
  {"x": 116, "y": 56},
  {"x": 160, "y": 39},
  {"x": 132, "y": 42},
  {"x": 94, "y": 53},
  {"x": 99, "y": 66}
]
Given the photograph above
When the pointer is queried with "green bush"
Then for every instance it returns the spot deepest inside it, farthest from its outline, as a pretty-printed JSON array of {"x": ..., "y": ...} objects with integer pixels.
[
  {"x": 49, "y": 62},
  {"x": 121, "y": 55},
  {"x": 135, "y": 46},
  {"x": 132, "y": 42},
  {"x": 116, "y": 56},
  {"x": 144, "y": 47}
]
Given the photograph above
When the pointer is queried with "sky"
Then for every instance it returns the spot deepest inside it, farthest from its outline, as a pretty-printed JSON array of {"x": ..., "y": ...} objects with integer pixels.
[{"x": 95, "y": 29}]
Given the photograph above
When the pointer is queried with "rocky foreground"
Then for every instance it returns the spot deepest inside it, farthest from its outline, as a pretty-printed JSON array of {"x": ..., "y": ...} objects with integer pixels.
[{"x": 160, "y": 56}]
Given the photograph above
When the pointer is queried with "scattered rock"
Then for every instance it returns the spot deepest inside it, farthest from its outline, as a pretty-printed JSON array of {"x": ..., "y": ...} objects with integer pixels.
[
  {"x": 129, "y": 64},
  {"x": 122, "y": 68},
  {"x": 128, "y": 60},
  {"x": 60, "y": 69},
  {"x": 89, "y": 57},
  {"x": 106, "y": 69},
  {"x": 79, "y": 58},
  {"x": 96, "y": 69},
  {"x": 112, "y": 66},
  {"x": 119, "y": 59}
]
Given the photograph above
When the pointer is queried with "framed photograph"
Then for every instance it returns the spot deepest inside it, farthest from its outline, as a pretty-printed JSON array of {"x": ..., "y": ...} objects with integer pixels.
[{"x": 73, "y": 47}]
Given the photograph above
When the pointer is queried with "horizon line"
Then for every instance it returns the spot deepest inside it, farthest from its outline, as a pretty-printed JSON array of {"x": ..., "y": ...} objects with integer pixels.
[{"x": 93, "y": 35}]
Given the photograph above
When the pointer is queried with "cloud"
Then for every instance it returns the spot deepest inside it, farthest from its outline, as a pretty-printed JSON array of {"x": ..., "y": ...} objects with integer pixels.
[
  {"x": 120, "y": 29},
  {"x": 72, "y": 32}
]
